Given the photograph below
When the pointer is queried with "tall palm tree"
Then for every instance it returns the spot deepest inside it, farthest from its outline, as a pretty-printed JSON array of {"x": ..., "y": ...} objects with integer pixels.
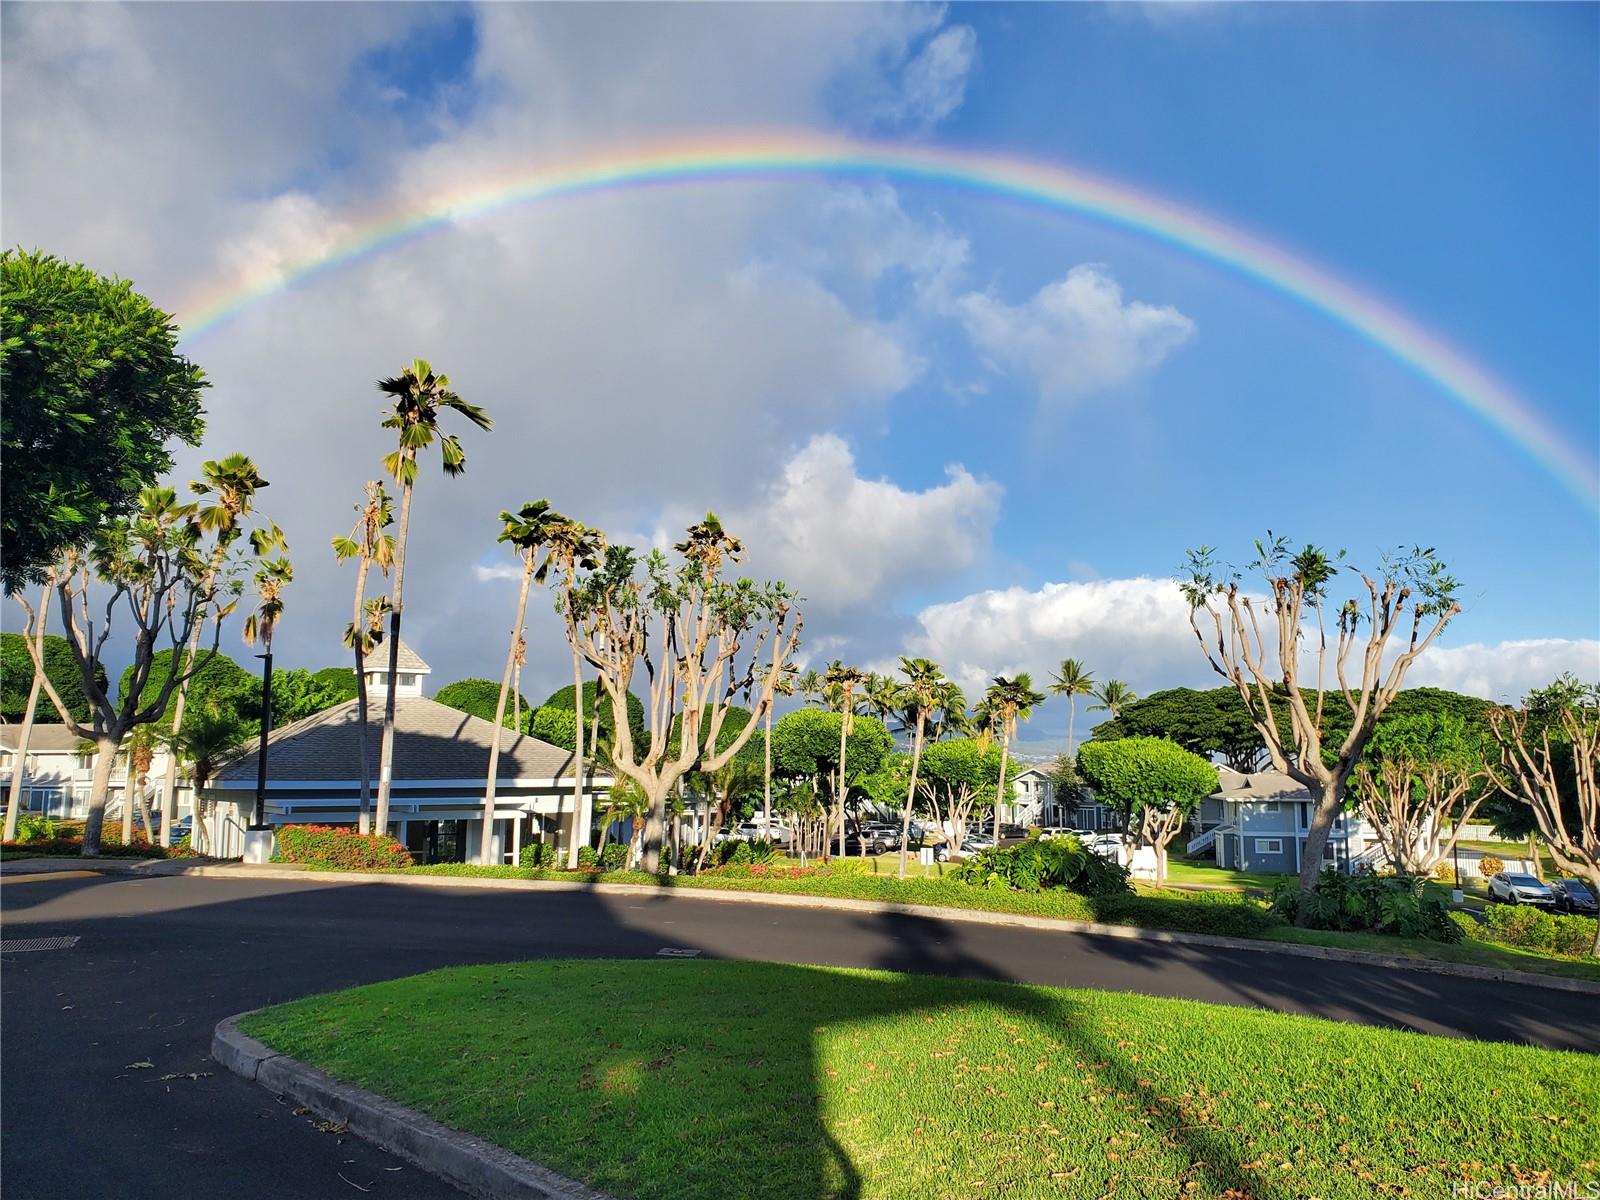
[
  {"x": 1072, "y": 680},
  {"x": 810, "y": 686},
  {"x": 1114, "y": 696},
  {"x": 227, "y": 487},
  {"x": 370, "y": 544},
  {"x": 528, "y": 531},
  {"x": 574, "y": 547},
  {"x": 420, "y": 398},
  {"x": 923, "y": 690},
  {"x": 1009, "y": 701},
  {"x": 271, "y": 577},
  {"x": 842, "y": 681},
  {"x": 883, "y": 696},
  {"x": 627, "y": 799},
  {"x": 949, "y": 717}
]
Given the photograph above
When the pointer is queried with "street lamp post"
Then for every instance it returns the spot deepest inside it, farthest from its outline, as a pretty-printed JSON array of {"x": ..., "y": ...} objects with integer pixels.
[{"x": 260, "y": 821}]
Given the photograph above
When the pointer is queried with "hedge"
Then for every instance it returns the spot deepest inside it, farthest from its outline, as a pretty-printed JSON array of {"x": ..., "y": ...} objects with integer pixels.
[
  {"x": 479, "y": 698},
  {"x": 342, "y": 848},
  {"x": 1529, "y": 928}
]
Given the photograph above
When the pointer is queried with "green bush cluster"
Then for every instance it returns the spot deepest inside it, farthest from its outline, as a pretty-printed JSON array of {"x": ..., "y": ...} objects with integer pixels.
[
  {"x": 1390, "y": 904},
  {"x": 1534, "y": 929},
  {"x": 588, "y": 858},
  {"x": 1223, "y": 913},
  {"x": 539, "y": 854},
  {"x": 1033, "y": 865},
  {"x": 742, "y": 854},
  {"x": 341, "y": 847},
  {"x": 35, "y": 827},
  {"x": 614, "y": 857}
]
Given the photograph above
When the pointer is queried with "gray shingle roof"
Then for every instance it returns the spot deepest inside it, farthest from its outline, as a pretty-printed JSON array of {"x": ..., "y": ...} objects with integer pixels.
[
  {"x": 45, "y": 738},
  {"x": 432, "y": 742},
  {"x": 409, "y": 660},
  {"x": 1258, "y": 785}
]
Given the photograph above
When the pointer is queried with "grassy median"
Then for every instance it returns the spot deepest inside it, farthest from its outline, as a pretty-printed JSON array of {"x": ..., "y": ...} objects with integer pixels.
[{"x": 708, "y": 1080}]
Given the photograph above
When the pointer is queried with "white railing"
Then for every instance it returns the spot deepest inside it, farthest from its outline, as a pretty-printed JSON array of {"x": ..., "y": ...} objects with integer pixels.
[{"x": 1205, "y": 841}]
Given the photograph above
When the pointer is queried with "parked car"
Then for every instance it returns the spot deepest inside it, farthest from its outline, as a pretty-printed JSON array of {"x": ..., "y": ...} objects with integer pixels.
[
  {"x": 1574, "y": 896},
  {"x": 1106, "y": 845},
  {"x": 1050, "y": 832},
  {"x": 976, "y": 842},
  {"x": 1508, "y": 888}
]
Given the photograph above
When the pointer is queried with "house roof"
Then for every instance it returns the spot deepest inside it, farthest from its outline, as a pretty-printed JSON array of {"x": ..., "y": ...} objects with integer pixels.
[
  {"x": 409, "y": 660},
  {"x": 432, "y": 742},
  {"x": 44, "y": 739},
  {"x": 1259, "y": 785},
  {"x": 1032, "y": 770}
]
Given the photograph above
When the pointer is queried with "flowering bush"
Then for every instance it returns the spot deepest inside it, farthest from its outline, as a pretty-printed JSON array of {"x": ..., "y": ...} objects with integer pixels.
[
  {"x": 334, "y": 846},
  {"x": 1489, "y": 866}
]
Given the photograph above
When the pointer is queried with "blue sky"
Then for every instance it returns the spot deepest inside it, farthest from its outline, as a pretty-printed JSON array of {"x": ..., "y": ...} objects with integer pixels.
[{"x": 963, "y": 426}]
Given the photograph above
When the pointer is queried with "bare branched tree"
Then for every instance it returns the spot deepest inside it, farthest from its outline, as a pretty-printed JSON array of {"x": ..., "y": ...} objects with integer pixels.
[{"x": 1257, "y": 644}]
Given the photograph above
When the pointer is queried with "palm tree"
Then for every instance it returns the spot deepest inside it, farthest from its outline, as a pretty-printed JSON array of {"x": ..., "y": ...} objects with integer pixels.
[
  {"x": 949, "y": 716},
  {"x": 1072, "y": 680},
  {"x": 1009, "y": 701},
  {"x": 528, "y": 530},
  {"x": 1114, "y": 696},
  {"x": 231, "y": 485},
  {"x": 627, "y": 799},
  {"x": 202, "y": 743},
  {"x": 574, "y": 546},
  {"x": 810, "y": 686},
  {"x": 272, "y": 576},
  {"x": 420, "y": 397},
  {"x": 369, "y": 543},
  {"x": 925, "y": 686},
  {"x": 842, "y": 681}
]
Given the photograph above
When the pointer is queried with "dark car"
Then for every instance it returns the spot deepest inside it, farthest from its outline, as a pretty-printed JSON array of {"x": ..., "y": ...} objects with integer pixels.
[{"x": 1574, "y": 896}]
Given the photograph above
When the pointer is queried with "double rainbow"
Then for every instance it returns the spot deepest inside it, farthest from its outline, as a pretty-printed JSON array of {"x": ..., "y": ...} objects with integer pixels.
[{"x": 780, "y": 155}]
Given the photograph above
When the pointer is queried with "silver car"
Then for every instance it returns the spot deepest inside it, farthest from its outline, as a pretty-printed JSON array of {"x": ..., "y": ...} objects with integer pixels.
[{"x": 1508, "y": 888}]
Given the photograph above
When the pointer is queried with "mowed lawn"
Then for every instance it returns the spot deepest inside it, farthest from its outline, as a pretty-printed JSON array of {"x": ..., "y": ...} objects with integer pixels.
[{"x": 702, "y": 1079}]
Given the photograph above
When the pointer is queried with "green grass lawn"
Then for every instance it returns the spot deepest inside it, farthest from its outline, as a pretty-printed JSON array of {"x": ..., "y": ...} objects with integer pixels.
[
  {"x": 1211, "y": 875},
  {"x": 707, "y": 1080}
]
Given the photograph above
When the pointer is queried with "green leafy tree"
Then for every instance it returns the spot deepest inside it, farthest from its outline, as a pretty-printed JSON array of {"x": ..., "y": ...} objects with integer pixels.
[
  {"x": 555, "y": 721},
  {"x": 340, "y": 682},
  {"x": 1261, "y": 647},
  {"x": 924, "y": 689},
  {"x": 783, "y": 684},
  {"x": 1155, "y": 784},
  {"x": 478, "y": 697},
  {"x": 16, "y": 678},
  {"x": 298, "y": 694},
  {"x": 418, "y": 399},
  {"x": 1214, "y": 722},
  {"x": 95, "y": 391},
  {"x": 574, "y": 547},
  {"x": 1421, "y": 780},
  {"x": 842, "y": 683},
  {"x": 957, "y": 774},
  {"x": 1072, "y": 679}
]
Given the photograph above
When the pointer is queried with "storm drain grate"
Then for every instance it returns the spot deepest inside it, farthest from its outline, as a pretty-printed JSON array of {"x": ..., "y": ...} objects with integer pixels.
[
  {"x": 677, "y": 952},
  {"x": 15, "y": 945}
]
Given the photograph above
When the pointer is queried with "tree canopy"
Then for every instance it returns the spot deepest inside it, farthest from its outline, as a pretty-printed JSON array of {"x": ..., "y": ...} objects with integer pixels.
[
  {"x": 221, "y": 688},
  {"x": 341, "y": 679},
  {"x": 806, "y": 742},
  {"x": 957, "y": 763},
  {"x": 479, "y": 697},
  {"x": 1136, "y": 773},
  {"x": 733, "y": 723},
  {"x": 298, "y": 693},
  {"x": 16, "y": 679},
  {"x": 552, "y": 721},
  {"x": 95, "y": 390}
]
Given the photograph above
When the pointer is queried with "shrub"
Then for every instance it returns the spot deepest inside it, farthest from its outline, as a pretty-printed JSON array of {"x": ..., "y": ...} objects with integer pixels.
[
  {"x": 344, "y": 848},
  {"x": 1390, "y": 904},
  {"x": 1033, "y": 865},
  {"x": 614, "y": 857},
  {"x": 477, "y": 697},
  {"x": 539, "y": 854},
  {"x": 588, "y": 858},
  {"x": 1444, "y": 872},
  {"x": 1221, "y": 913},
  {"x": 35, "y": 827},
  {"x": 1489, "y": 866}
]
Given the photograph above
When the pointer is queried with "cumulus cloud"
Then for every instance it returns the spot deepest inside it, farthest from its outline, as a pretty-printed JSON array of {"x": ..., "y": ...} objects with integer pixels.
[
  {"x": 844, "y": 541},
  {"x": 1505, "y": 671},
  {"x": 934, "y": 83},
  {"x": 1075, "y": 336}
]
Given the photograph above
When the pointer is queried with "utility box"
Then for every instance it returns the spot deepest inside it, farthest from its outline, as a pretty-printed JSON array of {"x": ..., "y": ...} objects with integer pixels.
[
  {"x": 925, "y": 856},
  {"x": 258, "y": 845}
]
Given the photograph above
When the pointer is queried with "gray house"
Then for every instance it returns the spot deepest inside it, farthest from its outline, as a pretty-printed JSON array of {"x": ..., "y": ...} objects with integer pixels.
[
  {"x": 1260, "y": 822},
  {"x": 441, "y": 760}
]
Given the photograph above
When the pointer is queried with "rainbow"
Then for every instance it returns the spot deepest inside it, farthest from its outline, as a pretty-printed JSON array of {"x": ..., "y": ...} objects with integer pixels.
[{"x": 769, "y": 155}]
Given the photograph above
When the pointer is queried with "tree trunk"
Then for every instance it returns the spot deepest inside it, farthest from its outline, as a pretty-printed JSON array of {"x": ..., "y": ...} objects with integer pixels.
[
  {"x": 127, "y": 800},
  {"x": 144, "y": 812},
  {"x": 386, "y": 751},
  {"x": 20, "y": 768},
  {"x": 486, "y": 841},
  {"x": 911, "y": 792},
  {"x": 766, "y": 783},
  {"x": 364, "y": 827},
  {"x": 1005, "y": 756},
  {"x": 838, "y": 798},
  {"x": 1533, "y": 854},
  {"x": 1072, "y": 711},
  {"x": 169, "y": 780},
  {"x": 106, "y": 747},
  {"x": 1323, "y": 814},
  {"x": 654, "y": 827},
  {"x": 580, "y": 810}
]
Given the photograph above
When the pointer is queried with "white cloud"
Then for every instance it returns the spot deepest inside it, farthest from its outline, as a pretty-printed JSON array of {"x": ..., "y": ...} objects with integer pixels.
[
  {"x": 934, "y": 83},
  {"x": 1505, "y": 671},
  {"x": 844, "y": 541},
  {"x": 1077, "y": 335}
]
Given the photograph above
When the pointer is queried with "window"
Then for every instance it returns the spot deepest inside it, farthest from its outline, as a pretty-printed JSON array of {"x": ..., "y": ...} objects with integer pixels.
[
  {"x": 1270, "y": 806},
  {"x": 1269, "y": 845}
]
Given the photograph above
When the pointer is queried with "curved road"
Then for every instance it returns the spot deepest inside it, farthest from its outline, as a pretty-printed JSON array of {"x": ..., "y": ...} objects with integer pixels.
[{"x": 161, "y": 959}]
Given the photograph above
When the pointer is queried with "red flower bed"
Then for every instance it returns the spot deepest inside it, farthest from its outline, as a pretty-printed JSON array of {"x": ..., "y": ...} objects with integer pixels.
[{"x": 333, "y": 846}]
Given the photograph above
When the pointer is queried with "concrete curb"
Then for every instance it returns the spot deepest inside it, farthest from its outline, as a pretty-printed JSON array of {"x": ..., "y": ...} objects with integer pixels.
[
  {"x": 104, "y": 865},
  {"x": 933, "y": 912},
  {"x": 477, "y": 1167}
]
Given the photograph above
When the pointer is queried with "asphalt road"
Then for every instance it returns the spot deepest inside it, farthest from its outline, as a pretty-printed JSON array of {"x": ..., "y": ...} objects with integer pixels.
[{"x": 162, "y": 959}]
